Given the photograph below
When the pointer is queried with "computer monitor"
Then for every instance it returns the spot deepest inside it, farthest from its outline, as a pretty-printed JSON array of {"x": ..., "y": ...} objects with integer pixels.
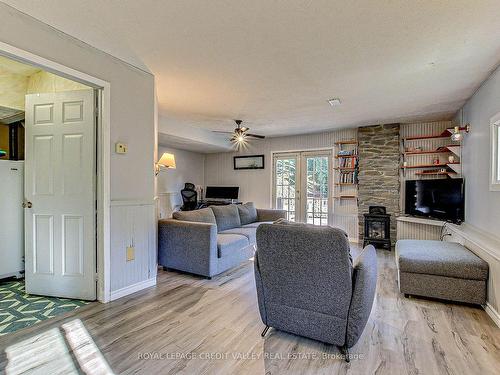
[{"x": 222, "y": 192}]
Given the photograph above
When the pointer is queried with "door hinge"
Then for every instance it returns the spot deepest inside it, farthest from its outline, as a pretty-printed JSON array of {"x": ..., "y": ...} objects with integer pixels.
[{"x": 96, "y": 276}]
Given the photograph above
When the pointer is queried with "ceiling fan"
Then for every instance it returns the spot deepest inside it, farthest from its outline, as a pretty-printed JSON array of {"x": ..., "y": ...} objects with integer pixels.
[{"x": 240, "y": 135}]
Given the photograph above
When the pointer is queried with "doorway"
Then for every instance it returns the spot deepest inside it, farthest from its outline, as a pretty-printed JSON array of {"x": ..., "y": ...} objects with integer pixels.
[
  {"x": 48, "y": 169},
  {"x": 301, "y": 185}
]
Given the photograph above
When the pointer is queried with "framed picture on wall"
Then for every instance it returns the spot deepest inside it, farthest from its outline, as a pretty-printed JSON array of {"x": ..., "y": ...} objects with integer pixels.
[{"x": 249, "y": 162}]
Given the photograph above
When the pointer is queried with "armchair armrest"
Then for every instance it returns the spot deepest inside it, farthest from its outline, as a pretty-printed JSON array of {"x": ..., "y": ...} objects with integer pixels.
[
  {"x": 364, "y": 284},
  {"x": 260, "y": 289},
  {"x": 266, "y": 214},
  {"x": 188, "y": 246}
]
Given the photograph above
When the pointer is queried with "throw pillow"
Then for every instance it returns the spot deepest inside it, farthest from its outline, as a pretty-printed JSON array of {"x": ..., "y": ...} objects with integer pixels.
[
  {"x": 227, "y": 217},
  {"x": 205, "y": 215},
  {"x": 248, "y": 213}
]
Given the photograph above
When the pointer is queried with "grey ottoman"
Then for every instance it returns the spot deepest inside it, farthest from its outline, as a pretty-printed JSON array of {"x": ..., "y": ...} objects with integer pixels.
[{"x": 444, "y": 270}]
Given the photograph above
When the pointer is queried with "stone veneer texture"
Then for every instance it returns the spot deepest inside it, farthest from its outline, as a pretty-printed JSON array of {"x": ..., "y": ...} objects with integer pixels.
[{"x": 379, "y": 165}]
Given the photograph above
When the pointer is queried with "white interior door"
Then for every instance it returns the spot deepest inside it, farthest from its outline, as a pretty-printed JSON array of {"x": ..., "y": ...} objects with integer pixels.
[
  {"x": 301, "y": 186},
  {"x": 60, "y": 194}
]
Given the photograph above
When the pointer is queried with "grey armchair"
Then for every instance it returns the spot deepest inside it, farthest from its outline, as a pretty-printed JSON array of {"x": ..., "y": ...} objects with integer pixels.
[{"x": 308, "y": 285}]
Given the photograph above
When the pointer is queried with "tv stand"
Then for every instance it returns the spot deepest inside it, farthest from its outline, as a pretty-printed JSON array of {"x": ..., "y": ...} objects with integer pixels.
[{"x": 418, "y": 228}]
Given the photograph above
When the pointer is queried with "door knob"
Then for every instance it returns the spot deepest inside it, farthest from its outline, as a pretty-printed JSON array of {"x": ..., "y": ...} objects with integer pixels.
[{"x": 27, "y": 204}]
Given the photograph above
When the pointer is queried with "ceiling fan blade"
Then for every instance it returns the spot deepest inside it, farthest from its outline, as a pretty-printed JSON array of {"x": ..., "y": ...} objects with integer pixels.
[
  {"x": 222, "y": 132},
  {"x": 255, "y": 136}
]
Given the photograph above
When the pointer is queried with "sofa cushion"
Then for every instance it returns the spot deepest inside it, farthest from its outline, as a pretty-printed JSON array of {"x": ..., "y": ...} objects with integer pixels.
[
  {"x": 440, "y": 258},
  {"x": 248, "y": 213},
  {"x": 249, "y": 233},
  {"x": 227, "y": 217},
  {"x": 205, "y": 215},
  {"x": 229, "y": 243},
  {"x": 256, "y": 224}
]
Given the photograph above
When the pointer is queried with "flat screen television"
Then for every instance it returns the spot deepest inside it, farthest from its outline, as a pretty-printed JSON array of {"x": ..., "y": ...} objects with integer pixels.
[
  {"x": 222, "y": 192},
  {"x": 441, "y": 199}
]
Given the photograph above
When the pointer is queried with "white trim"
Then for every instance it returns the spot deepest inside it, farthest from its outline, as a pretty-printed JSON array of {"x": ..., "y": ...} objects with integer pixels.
[
  {"x": 494, "y": 153},
  {"x": 103, "y": 155},
  {"x": 126, "y": 202},
  {"x": 470, "y": 235},
  {"x": 492, "y": 313},
  {"x": 132, "y": 288},
  {"x": 421, "y": 220},
  {"x": 485, "y": 241}
]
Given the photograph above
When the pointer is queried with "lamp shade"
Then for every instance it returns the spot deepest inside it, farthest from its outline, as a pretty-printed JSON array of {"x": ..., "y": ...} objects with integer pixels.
[{"x": 167, "y": 160}]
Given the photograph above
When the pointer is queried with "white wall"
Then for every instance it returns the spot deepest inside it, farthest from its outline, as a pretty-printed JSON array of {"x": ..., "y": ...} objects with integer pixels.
[
  {"x": 482, "y": 208},
  {"x": 482, "y": 205},
  {"x": 255, "y": 185},
  {"x": 190, "y": 167},
  {"x": 132, "y": 121}
]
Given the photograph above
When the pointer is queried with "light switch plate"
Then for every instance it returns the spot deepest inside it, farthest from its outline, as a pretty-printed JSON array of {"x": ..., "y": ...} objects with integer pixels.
[
  {"x": 121, "y": 148},
  {"x": 130, "y": 253}
]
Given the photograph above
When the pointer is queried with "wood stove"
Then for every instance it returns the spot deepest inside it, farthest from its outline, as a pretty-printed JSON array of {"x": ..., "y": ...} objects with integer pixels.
[{"x": 377, "y": 228}]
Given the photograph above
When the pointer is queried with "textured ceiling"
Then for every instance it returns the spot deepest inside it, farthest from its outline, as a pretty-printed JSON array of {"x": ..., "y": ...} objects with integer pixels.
[{"x": 275, "y": 63}]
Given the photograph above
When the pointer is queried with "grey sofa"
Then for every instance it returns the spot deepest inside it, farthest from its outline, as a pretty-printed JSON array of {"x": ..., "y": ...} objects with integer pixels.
[
  {"x": 211, "y": 240},
  {"x": 308, "y": 285},
  {"x": 440, "y": 269}
]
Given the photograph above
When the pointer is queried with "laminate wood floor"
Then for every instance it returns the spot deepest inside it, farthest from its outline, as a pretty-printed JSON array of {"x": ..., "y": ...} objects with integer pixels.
[{"x": 190, "y": 325}]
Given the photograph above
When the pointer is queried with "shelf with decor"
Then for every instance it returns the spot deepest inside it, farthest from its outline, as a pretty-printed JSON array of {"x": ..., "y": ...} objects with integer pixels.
[
  {"x": 428, "y": 151},
  {"x": 437, "y": 173},
  {"x": 345, "y": 168},
  {"x": 347, "y": 142},
  {"x": 346, "y": 156},
  {"x": 447, "y": 133},
  {"x": 346, "y": 197},
  {"x": 430, "y": 165}
]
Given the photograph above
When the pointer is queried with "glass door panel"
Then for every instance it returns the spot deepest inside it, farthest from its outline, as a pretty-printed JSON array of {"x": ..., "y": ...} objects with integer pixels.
[
  {"x": 286, "y": 178},
  {"x": 316, "y": 189}
]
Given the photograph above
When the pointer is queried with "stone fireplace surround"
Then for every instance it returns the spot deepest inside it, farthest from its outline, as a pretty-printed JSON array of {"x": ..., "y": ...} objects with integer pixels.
[{"x": 379, "y": 181}]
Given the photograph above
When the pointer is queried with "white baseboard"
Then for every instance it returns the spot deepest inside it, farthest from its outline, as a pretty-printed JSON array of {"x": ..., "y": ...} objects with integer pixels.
[
  {"x": 132, "y": 288},
  {"x": 494, "y": 315}
]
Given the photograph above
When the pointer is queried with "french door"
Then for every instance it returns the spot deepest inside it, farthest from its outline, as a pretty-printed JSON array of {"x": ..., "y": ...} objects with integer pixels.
[{"x": 301, "y": 186}]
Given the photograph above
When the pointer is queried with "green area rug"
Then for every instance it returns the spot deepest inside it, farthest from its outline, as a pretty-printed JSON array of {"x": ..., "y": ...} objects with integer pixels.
[{"x": 19, "y": 310}]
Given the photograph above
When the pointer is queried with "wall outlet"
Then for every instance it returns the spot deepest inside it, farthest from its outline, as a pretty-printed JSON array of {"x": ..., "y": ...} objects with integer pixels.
[
  {"x": 121, "y": 148},
  {"x": 130, "y": 253}
]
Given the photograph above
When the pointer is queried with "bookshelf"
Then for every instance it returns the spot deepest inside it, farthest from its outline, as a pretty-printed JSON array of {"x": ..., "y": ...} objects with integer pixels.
[{"x": 345, "y": 185}]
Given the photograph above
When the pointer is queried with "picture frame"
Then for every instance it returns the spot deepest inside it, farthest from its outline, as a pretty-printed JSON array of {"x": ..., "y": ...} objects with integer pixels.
[{"x": 248, "y": 162}]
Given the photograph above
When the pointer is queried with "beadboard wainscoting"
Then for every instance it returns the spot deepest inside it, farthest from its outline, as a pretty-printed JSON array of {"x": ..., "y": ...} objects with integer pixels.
[
  {"x": 487, "y": 247},
  {"x": 167, "y": 203},
  {"x": 134, "y": 225},
  {"x": 414, "y": 228}
]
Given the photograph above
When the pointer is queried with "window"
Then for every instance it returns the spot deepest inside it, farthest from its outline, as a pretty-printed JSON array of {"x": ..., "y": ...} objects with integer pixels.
[{"x": 495, "y": 153}]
